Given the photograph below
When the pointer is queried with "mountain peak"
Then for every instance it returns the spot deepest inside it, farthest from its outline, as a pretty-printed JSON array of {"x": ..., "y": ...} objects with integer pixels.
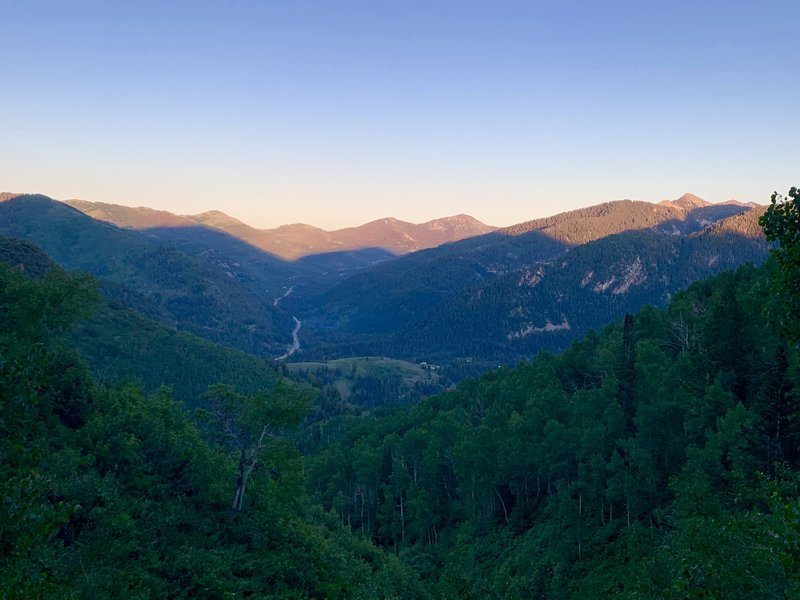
[
  {"x": 686, "y": 202},
  {"x": 692, "y": 200},
  {"x": 216, "y": 218},
  {"x": 459, "y": 218}
]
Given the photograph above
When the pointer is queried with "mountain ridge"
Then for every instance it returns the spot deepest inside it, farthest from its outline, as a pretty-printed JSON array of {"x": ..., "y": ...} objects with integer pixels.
[
  {"x": 202, "y": 294},
  {"x": 513, "y": 295},
  {"x": 579, "y": 226},
  {"x": 479, "y": 291},
  {"x": 296, "y": 240}
]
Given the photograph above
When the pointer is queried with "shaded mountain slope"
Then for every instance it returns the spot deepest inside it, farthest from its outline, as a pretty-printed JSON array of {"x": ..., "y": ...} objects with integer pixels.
[
  {"x": 549, "y": 305},
  {"x": 119, "y": 343},
  {"x": 508, "y": 306},
  {"x": 265, "y": 273},
  {"x": 199, "y": 295},
  {"x": 381, "y": 297}
]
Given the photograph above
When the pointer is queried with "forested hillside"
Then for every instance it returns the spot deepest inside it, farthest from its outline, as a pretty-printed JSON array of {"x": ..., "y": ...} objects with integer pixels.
[
  {"x": 657, "y": 458},
  {"x": 549, "y": 305},
  {"x": 107, "y": 493},
  {"x": 120, "y": 344},
  {"x": 502, "y": 300},
  {"x": 196, "y": 294}
]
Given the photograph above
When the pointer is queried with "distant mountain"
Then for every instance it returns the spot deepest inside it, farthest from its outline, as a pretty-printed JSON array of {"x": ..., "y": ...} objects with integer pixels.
[
  {"x": 508, "y": 294},
  {"x": 263, "y": 272},
  {"x": 683, "y": 215},
  {"x": 416, "y": 282},
  {"x": 401, "y": 237},
  {"x": 486, "y": 299},
  {"x": 686, "y": 202},
  {"x": 547, "y": 306},
  {"x": 208, "y": 295},
  {"x": 298, "y": 240}
]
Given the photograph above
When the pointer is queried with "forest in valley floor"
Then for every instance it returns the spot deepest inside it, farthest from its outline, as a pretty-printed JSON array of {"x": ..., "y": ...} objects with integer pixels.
[{"x": 656, "y": 458}]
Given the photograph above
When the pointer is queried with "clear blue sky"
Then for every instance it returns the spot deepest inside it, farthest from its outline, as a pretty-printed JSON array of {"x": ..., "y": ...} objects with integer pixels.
[{"x": 337, "y": 112}]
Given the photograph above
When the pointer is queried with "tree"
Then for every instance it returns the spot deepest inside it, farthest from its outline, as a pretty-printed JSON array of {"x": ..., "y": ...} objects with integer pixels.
[
  {"x": 247, "y": 425},
  {"x": 781, "y": 223}
]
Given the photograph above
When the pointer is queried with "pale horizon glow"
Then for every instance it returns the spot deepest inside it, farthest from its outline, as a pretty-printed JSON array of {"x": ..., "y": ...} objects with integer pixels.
[{"x": 337, "y": 114}]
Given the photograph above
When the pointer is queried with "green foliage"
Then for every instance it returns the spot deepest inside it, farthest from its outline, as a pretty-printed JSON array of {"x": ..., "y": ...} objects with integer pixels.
[
  {"x": 781, "y": 223},
  {"x": 119, "y": 344},
  {"x": 646, "y": 461},
  {"x": 35, "y": 312},
  {"x": 108, "y": 493},
  {"x": 43, "y": 396},
  {"x": 247, "y": 426}
]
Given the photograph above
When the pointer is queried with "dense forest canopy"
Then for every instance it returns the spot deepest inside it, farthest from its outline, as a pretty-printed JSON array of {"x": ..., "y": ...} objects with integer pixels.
[
  {"x": 107, "y": 493},
  {"x": 782, "y": 222},
  {"x": 658, "y": 457}
]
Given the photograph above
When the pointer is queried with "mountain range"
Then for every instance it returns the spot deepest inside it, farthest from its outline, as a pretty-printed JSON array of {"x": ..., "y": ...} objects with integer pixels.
[
  {"x": 205, "y": 294},
  {"x": 505, "y": 297},
  {"x": 468, "y": 304},
  {"x": 291, "y": 242}
]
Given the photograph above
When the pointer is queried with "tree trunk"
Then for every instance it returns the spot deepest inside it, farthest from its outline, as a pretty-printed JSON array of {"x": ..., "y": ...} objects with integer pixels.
[
  {"x": 237, "y": 497},
  {"x": 244, "y": 473}
]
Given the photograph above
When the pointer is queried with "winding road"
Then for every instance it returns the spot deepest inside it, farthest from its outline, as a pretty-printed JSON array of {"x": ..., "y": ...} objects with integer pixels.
[
  {"x": 277, "y": 300},
  {"x": 295, "y": 332},
  {"x": 295, "y": 340}
]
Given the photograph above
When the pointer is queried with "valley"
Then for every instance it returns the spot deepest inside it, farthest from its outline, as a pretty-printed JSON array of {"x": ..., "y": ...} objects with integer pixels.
[
  {"x": 493, "y": 417},
  {"x": 486, "y": 298}
]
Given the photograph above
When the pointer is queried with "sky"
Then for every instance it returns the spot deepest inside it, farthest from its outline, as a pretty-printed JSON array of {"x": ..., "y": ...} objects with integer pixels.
[{"x": 338, "y": 112}]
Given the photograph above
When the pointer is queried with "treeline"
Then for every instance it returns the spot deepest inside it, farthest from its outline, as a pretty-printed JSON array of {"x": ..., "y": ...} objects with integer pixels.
[
  {"x": 658, "y": 458},
  {"x": 364, "y": 390}
]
